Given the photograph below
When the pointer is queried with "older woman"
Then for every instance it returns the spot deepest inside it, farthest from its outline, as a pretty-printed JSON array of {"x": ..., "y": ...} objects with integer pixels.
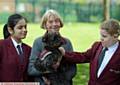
[{"x": 51, "y": 21}]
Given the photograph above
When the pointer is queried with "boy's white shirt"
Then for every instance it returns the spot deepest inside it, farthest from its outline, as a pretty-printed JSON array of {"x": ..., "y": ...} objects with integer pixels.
[{"x": 108, "y": 55}]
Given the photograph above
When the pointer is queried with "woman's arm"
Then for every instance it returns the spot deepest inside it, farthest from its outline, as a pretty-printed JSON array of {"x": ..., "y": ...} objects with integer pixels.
[{"x": 36, "y": 49}]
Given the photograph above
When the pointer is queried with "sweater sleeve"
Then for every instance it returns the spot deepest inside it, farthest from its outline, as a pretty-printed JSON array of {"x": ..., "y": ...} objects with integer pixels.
[
  {"x": 36, "y": 49},
  {"x": 70, "y": 69}
]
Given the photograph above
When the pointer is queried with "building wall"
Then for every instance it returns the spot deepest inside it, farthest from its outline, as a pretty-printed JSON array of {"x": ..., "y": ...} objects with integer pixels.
[{"x": 7, "y": 6}]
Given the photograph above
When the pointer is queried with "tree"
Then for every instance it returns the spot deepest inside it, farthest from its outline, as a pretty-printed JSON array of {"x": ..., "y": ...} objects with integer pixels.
[{"x": 106, "y": 9}]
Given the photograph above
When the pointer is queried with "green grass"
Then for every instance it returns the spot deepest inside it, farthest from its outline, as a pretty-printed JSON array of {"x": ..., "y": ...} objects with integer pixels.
[{"x": 82, "y": 36}]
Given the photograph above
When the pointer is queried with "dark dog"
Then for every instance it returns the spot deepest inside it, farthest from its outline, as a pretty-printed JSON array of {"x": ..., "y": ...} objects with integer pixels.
[{"x": 51, "y": 55}]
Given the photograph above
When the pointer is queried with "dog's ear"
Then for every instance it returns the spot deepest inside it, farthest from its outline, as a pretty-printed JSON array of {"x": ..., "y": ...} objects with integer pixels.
[{"x": 45, "y": 38}]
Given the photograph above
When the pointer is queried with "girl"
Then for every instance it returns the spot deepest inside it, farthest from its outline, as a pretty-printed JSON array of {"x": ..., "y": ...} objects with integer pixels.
[{"x": 14, "y": 54}]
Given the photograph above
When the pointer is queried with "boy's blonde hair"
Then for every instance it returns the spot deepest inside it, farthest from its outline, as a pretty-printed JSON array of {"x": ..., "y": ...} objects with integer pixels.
[
  {"x": 47, "y": 15},
  {"x": 111, "y": 26}
]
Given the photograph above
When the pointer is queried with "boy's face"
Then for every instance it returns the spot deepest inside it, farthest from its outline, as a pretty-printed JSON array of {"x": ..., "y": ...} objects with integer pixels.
[{"x": 107, "y": 39}]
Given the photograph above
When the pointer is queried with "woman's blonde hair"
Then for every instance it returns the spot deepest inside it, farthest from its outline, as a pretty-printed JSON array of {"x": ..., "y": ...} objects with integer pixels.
[
  {"x": 111, "y": 26},
  {"x": 47, "y": 15}
]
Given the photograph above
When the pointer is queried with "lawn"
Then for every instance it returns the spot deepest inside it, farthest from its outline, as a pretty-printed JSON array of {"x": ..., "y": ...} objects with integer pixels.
[{"x": 82, "y": 36}]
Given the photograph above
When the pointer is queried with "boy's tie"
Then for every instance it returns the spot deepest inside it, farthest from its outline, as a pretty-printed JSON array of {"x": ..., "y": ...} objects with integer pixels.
[{"x": 101, "y": 57}]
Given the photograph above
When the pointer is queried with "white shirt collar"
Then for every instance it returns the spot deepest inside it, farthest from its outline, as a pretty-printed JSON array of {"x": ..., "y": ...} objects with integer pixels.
[
  {"x": 113, "y": 47},
  {"x": 15, "y": 43}
]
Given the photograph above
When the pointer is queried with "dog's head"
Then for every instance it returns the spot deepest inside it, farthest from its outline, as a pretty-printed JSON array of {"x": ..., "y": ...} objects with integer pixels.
[
  {"x": 51, "y": 55},
  {"x": 48, "y": 61},
  {"x": 52, "y": 40}
]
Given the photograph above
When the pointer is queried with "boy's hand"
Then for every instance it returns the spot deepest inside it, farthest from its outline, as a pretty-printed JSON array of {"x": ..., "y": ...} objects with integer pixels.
[{"x": 62, "y": 50}]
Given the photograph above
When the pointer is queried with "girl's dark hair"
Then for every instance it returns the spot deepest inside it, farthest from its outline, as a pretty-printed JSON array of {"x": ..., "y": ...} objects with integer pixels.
[
  {"x": 12, "y": 21},
  {"x": 6, "y": 34}
]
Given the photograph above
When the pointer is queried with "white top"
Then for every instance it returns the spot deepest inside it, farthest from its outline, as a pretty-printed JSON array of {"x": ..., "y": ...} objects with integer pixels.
[
  {"x": 16, "y": 44},
  {"x": 108, "y": 55}
]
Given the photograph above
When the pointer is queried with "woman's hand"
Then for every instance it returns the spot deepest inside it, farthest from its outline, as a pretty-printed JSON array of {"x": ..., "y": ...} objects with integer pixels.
[
  {"x": 56, "y": 65},
  {"x": 47, "y": 82}
]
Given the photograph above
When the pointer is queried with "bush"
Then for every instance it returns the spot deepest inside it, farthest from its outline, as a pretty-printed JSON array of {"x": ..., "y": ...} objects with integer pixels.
[
  {"x": 29, "y": 16},
  {"x": 4, "y": 16},
  {"x": 115, "y": 13}
]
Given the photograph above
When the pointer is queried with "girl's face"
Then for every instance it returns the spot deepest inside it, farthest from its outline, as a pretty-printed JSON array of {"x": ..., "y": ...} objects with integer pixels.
[
  {"x": 53, "y": 24},
  {"x": 20, "y": 30}
]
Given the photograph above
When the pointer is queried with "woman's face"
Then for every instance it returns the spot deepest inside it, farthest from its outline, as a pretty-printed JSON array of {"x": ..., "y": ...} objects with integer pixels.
[
  {"x": 20, "y": 30},
  {"x": 53, "y": 24}
]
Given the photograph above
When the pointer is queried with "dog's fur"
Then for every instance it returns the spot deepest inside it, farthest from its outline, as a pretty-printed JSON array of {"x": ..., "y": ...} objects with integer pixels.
[{"x": 51, "y": 43}]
